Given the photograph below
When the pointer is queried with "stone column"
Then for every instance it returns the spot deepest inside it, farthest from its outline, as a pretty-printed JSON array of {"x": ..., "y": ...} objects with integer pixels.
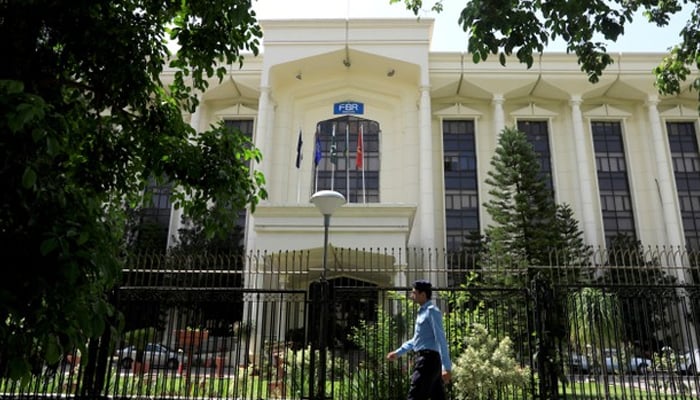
[
  {"x": 176, "y": 213},
  {"x": 263, "y": 135},
  {"x": 583, "y": 161},
  {"x": 499, "y": 120},
  {"x": 427, "y": 190},
  {"x": 672, "y": 221}
]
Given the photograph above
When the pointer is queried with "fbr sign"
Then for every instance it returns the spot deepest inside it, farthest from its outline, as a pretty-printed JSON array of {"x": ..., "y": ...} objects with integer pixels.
[{"x": 349, "y": 107}]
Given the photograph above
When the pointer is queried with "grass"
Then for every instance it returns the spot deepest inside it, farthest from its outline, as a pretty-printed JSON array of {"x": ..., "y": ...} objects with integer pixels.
[
  {"x": 241, "y": 383},
  {"x": 618, "y": 390}
]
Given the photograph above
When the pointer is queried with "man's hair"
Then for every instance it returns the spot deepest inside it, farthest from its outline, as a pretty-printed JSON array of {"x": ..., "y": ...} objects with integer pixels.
[{"x": 424, "y": 286}]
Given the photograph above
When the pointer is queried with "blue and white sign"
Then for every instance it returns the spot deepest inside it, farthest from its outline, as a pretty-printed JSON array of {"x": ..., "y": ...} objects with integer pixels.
[{"x": 349, "y": 107}]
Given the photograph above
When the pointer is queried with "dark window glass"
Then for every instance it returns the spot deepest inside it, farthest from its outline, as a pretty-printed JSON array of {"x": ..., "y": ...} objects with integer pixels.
[
  {"x": 615, "y": 195},
  {"x": 537, "y": 134},
  {"x": 245, "y": 126},
  {"x": 683, "y": 142},
  {"x": 155, "y": 216},
  {"x": 357, "y": 184},
  {"x": 461, "y": 195}
]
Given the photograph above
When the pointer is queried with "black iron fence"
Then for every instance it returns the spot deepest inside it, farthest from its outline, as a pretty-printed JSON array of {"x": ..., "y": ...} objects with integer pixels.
[{"x": 268, "y": 325}]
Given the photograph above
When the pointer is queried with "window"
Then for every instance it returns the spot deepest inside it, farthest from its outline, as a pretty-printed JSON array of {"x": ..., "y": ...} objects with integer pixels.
[
  {"x": 245, "y": 126},
  {"x": 615, "y": 195},
  {"x": 461, "y": 190},
  {"x": 338, "y": 168},
  {"x": 683, "y": 143},
  {"x": 155, "y": 217},
  {"x": 537, "y": 134}
]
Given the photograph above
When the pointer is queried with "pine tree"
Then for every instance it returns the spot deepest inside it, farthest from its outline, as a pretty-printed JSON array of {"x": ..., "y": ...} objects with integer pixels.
[
  {"x": 572, "y": 254},
  {"x": 521, "y": 206}
]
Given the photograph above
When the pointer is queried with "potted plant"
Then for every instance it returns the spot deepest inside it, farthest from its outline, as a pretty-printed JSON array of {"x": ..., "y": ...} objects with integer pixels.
[
  {"x": 191, "y": 338},
  {"x": 243, "y": 331}
]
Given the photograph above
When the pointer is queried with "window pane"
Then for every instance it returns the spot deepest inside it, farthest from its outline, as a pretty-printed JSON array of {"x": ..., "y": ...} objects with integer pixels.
[
  {"x": 613, "y": 183},
  {"x": 461, "y": 196},
  {"x": 683, "y": 143}
]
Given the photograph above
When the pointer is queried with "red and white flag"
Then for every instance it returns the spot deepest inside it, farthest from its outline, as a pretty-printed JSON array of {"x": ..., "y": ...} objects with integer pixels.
[{"x": 359, "y": 157}]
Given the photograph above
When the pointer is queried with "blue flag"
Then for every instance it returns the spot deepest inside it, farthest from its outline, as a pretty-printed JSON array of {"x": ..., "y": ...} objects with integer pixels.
[{"x": 317, "y": 148}]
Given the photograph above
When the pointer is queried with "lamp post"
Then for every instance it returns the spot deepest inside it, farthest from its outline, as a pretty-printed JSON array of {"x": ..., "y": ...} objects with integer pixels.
[{"x": 327, "y": 201}]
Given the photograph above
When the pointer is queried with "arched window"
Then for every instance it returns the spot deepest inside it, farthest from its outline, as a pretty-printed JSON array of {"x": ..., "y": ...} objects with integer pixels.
[{"x": 343, "y": 162}]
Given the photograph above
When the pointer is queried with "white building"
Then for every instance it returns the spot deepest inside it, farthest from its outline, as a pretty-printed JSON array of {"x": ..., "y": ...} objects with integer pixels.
[{"x": 624, "y": 158}]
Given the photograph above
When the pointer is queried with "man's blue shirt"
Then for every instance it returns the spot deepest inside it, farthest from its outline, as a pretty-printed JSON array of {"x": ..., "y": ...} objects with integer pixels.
[{"x": 429, "y": 334}]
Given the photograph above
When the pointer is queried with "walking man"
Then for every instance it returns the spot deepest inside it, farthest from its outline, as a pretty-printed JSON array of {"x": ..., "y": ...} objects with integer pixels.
[{"x": 432, "y": 365}]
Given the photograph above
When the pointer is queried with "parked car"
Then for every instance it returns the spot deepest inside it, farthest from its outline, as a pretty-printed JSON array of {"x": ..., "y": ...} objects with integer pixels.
[
  {"x": 634, "y": 364},
  {"x": 688, "y": 364},
  {"x": 578, "y": 363},
  {"x": 157, "y": 355}
]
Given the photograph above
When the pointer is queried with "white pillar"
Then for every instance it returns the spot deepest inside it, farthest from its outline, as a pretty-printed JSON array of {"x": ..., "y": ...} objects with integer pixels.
[
  {"x": 262, "y": 141},
  {"x": 262, "y": 131},
  {"x": 427, "y": 203},
  {"x": 672, "y": 221},
  {"x": 176, "y": 213},
  {"x": 590, "y": 228},
  {"x": 499, "y": 120}
]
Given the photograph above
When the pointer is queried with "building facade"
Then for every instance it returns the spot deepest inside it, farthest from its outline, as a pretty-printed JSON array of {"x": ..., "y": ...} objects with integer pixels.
[{"x": 407, "y": 135}]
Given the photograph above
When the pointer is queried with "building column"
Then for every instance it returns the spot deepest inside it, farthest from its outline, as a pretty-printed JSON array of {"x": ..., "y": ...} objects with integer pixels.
[
  {"x": 672, "y": 222},
  {"x": 263, "y": 137},
  {"x": 499, "y": 119},
  {"x": 590, "y": 228},
  {"x": 427, "y": 203},
  {"x": 176, "y": 213}
]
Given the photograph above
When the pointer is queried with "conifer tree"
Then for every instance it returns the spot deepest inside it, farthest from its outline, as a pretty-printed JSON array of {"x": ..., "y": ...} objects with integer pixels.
[
  {"x": 521, "y": 206},
  {"x": 571, "y": 251},
  {"x": 528, "y": 227}
]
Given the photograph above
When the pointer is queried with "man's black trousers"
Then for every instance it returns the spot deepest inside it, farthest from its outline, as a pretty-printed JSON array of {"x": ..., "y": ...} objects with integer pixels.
[{"x": 426, "y": 380}]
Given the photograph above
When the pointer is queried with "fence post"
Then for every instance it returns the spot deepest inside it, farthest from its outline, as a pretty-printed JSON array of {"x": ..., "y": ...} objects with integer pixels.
[
  {"x": 318, "y": 328},
  {"x": 545, "y": 304}
]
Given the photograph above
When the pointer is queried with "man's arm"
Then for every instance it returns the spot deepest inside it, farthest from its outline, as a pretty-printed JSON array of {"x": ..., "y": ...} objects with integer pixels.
[
  {"x": 439, "y": 332},
  {"x": 405, "y": 348}
]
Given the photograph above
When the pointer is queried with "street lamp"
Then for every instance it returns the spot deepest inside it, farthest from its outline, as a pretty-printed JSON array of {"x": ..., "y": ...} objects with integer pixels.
[{"x": 327, "y": 201}]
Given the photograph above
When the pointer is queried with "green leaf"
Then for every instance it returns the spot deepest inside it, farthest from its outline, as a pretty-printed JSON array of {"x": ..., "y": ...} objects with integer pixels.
[
  {"x": 48, "y": 246},
  {"x": 28, "y": 177},
  {"x": 53, "y": 350}
]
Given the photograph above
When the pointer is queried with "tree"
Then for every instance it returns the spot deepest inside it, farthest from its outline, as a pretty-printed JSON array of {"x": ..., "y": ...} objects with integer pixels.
[
  {"x": 530, "y": 231},
  {"x": 521, "y": 206},
  {"x": 86, "y": 122},
  {"x": 524, "y": 28},
  {"x": 645, "y": 291},
  {"x": 572, "y": 252},
  {"x": 594, "y": 326}
]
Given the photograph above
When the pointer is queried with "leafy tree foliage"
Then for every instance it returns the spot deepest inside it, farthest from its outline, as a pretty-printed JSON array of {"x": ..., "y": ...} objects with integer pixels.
[
  {"x": 645, "y": 291},
  {"x": 86, "y": 121},
  {"x": 524, "y": 28}
]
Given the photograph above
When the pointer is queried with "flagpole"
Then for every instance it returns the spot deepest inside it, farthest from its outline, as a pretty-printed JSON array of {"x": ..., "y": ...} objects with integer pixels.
[
  {"x": 347, "y": 159},
  {"x": 334, "y": 156},
  {"x": 317, "y": 155},
  {"x": 300, "y": 158}
]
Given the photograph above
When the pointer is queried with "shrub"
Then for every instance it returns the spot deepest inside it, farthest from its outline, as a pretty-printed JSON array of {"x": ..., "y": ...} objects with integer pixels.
[{"x": 487, "y": 366}]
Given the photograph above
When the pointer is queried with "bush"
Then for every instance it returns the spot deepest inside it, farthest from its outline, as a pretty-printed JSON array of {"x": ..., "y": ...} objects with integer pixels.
[{"x": 487, "y": 366}]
